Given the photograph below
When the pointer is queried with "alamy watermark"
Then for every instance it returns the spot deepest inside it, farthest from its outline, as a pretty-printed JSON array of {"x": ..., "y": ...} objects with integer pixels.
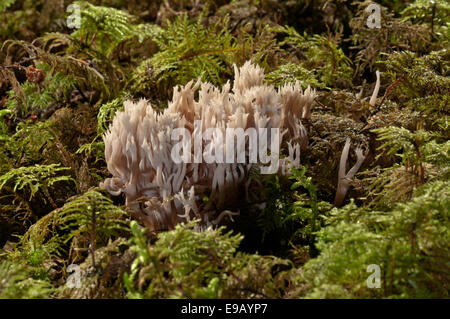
[
  {"x": 74, "y": 280},
  {"x": 374, "y": 280},
  {"x": 223, "y": 149},
  {"x": 374, "y": 19},
  {"x": 74, "y": 19}
]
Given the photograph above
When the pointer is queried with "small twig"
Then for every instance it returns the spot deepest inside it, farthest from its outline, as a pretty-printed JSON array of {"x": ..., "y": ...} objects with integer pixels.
[
  {"x": 388, "y": 90},
  {"x": 81, "y": 92},
  {"x": 432, "y": 18},
  {"x": 17, "y": 66},
  {"x": 47, "y": 194},
  {"x": 320, "y": 104},
  {"x": 93, "y": 38},
  {"x": 168, "y": 8}
]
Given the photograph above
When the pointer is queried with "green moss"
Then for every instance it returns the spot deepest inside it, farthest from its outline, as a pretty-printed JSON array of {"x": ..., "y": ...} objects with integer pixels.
[{"x": 288, "y": 242}]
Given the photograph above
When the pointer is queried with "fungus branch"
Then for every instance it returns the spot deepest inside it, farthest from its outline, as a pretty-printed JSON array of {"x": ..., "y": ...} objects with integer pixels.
[
  {"x": 373, "y": 99},
  {"x": 344, "y": 178}
]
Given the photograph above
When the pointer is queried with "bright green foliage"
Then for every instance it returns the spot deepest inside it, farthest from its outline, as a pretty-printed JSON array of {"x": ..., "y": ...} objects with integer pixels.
[
  {"x": 324, "y": 57},
  {"x": 192, "y": 260},
  {"x": 290, "y": 73},
  {"x": 85, "y": 75},
  {"x": 96, "y": 149},
  {"x": 434, "y": 13},
  {"x": 416, "y": 148},
  {"x": 272, "y": 220},
  {"x": 410, "y": 144},
  {"x": 397, "y": 212},
  {"x": 93, "y": 216},
  {"x": 293, "y": 216},
  {"x": 40, "y": 243},
  {"x": 424, "y": 158},
  {"x": 306, "y": 182},
  {"x": 39, "y": 97},
  {"x": 106, "y": 114},
  {"x": 34, "y": 178},
  {"x": 84, "y": 223},
  {"x": 424, "y": 82},
  {"x": 185, "y": 263},
  {"x": 16, "y": 283},
  {"x": 410, "y": 244},
  {"x": 104, "y": 28},
  {"x": 438, "y": 154},
  {"x": 3, "y": 128},
  {"x": 90, "y": 217},
  {"x": 93, "y": 210},
  {"x": 31, "y": 142},
  {"x": 424, "y": 75},
  {"x": 189, "y": 50}
]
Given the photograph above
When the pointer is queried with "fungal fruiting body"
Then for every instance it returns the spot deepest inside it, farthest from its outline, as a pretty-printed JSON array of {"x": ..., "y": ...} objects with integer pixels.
[
  {"x": 343, "y": 177},
  {"x": 373, "y": 98},
  {"x": 139, "y": 146}
]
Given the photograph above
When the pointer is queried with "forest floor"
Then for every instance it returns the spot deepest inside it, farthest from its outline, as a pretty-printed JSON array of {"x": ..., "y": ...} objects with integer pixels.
[{"x": 323, "y": 230}]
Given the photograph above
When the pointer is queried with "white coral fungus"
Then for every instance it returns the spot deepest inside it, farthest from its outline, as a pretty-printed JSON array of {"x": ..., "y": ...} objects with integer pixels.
[{"x": 139, "y": 142}]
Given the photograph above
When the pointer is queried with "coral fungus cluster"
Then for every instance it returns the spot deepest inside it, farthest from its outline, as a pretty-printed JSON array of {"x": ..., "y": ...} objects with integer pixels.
[{"x": 139, "y": 143}]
